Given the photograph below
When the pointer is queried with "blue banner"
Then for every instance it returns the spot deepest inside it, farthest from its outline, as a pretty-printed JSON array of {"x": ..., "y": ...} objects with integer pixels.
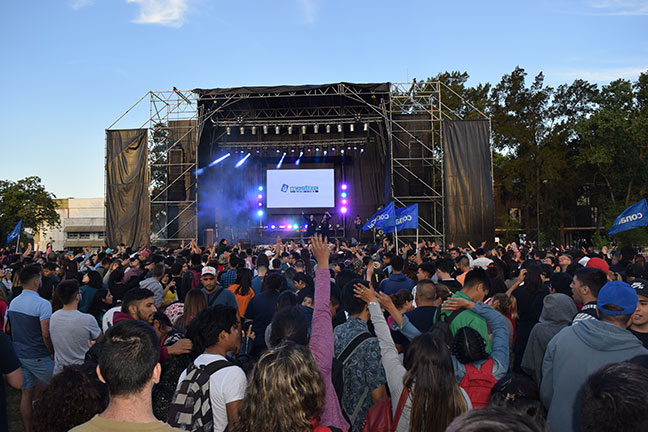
[
  {"x": 407, "y": 217},
  {"x": 634, "y": 216},
  {"x": 384, "y": 219},
  {"x": 13, "y": 235}
]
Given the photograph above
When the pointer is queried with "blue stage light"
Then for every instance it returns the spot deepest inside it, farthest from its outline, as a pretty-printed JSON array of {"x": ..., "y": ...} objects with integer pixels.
[
  {"x": 242, "y": 161},
  {"x": 260, "y": 188},
  {"x": 219, "y": 160},
  {"x": 260, "y": 213},
  {"x": 281, "y": 160}
]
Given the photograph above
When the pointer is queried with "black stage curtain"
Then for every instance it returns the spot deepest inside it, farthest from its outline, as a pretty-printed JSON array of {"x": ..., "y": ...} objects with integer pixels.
[
  {"x": 469, "y": 202},
  {"x": 128, "y": 218}
]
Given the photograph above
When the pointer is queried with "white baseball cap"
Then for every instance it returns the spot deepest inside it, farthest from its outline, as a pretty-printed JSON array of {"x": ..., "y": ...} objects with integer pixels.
[{"x": 209, "y": 270}]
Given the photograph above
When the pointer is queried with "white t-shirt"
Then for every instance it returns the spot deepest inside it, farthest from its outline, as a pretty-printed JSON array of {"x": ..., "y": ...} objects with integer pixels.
[
  {"x": 70, "y": 331},
  {"x": 225, "y": 386},
  {"x": 482, "y": 262},
  {"x": 107, "y": 321}
]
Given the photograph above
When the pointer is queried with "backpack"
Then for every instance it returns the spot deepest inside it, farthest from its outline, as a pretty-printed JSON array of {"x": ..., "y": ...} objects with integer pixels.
[
  {"x": 190, "y": 409},
  {"x": 337, "y": 371},
  {"x": 379, "y": 417},
  {"x": 442, "y": 322},
  {"x": 195, "y": 280},
  {"x": 478, "y": 383}
]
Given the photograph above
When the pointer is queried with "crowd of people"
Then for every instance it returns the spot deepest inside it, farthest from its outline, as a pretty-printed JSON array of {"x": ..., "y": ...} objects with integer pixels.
[{"x": 325, "y": 336}]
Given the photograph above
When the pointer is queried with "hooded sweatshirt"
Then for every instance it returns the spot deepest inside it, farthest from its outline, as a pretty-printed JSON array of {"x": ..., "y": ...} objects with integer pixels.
[
  {"x": 557, "y": 313},
  {"x": 395, "y": 283},
  {"x": 571, "y": 356}
]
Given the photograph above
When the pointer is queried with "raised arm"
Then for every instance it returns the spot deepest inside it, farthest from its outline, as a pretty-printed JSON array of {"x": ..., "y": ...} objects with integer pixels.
[{"x": 321, "y": 341}]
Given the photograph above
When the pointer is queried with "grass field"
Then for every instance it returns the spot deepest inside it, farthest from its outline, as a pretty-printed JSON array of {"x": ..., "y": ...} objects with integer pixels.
[{"x": 13, "y": 409}]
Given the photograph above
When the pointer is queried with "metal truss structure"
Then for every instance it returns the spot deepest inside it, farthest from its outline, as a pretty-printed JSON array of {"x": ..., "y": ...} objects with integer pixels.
[{"x": 409, "y": 115}]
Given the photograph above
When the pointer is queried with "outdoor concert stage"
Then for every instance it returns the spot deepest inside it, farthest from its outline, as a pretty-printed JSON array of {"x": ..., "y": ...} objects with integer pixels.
[{"x": 244, "y": 163}]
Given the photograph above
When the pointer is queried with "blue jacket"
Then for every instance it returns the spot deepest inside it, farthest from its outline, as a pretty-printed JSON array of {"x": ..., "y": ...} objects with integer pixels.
[
  {"x": 572, "y": 355},
  {"x": 395, "y": 283}
]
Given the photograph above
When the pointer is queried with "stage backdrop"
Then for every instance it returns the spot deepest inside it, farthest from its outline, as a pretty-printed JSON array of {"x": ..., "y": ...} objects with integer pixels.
[
  {"x": 469, "y": 202},
  {"x": 128, "y": 218}
]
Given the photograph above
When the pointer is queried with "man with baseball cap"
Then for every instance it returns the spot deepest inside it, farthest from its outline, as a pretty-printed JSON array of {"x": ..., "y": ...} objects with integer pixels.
[
  {"x": 639, "y": 326},
  {"x": 579, "y": 350},
  {"x": 214, "y": 293}
]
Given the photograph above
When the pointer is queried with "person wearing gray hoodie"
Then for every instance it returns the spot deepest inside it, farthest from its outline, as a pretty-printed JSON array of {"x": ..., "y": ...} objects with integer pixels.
[
  {"x": 579, "y": 350},
  {"x": 153, "y": 284},
  {"x": 558, "y": 311}
]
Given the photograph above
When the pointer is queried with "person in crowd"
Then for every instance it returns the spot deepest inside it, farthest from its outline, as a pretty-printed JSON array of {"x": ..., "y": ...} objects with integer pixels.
[
  {"x": 613, "y": 399},
  {"x": 476, "y": 286},
  {"x": 9, "y": 371},
  {"x": 303, "y": 288},
  {"x": 242, "y": 289},
  {"x": 214, "y": 293},
  {"x": 507, "y": 306},
  {"x": 422, "y": 317},
  {"x": 639, "y": 326},
  {"x": 261, "y": 308},
  {"x": 261, "y": 271},
  {"x": 626, "y": 255},
  {"x": 560, "y": 283},
  {"x": 425, "y": 271},
  {"x": 92, "y": 282},
  {"x": 73, "y": 397},
  {"x": 71, "y": 330},
  {"x": 195, "y": 301},
  {"x": 564, "y": 261},
  {"x": 29, "y": 318},
  {"x": 364, "y": 376},
  {"x": 4, "y": 305},
  {"x": 285, "y": 393},
  {"x": 444, "y": 270},
  {"x": 579, "y": 350},
  {"x": 229, "y": 277},
  {"x": 153, "y": 284},
  {"x": 481, "y": 260},
  {"x": 116, "y": 284},
  {"x": 136, "y": 271},
  {"x": 557, "y": 313},
  {"x": 463, "y": 267},
  {"x": 493, "y": 419},
  {"x": 49, "y": 281},
  {"x": 164, "y": 330},
  {"x": 191, "y": 277},
  {"x": 586, "y": 284},
  {"x": 128, "y": 364},
  {"x": 517, "y": 392},
  {"x": 218, "y": 331},
  {"x": 529, "y": 293},
  {"x": 101, "y": 302},
  {"x": 425, "y": 379},
  {"x": 397, "y": 280}
]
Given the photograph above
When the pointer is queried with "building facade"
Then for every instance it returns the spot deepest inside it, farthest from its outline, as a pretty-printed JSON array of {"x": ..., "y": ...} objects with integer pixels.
[{"x": 83, "y": 224}]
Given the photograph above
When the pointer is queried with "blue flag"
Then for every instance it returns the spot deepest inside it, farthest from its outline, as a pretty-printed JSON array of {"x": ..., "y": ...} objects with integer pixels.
[
  {"x": 634, "y": 216},
  {"x": 384, "y": 219},
  {"x": 13, "y": 235},
  {"x": 407, "y": 217}
]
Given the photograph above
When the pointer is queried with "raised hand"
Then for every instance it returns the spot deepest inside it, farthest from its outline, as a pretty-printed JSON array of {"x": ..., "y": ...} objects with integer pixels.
[{"x": 320, "y": 251}]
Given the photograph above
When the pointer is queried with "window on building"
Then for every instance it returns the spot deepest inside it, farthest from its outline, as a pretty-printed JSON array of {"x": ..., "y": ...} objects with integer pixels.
[
  {"x": 72, "y": 235},
  {"x": 84, "y": 235},
  {"x": 101, "y": 235}
]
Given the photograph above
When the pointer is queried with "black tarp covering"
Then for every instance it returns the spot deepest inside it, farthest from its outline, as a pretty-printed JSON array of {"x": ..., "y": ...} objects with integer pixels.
[
  {"x": 373, "y": 87},
  {"x": 469, "y": 202},
  {"x": 127, "y": 199}
]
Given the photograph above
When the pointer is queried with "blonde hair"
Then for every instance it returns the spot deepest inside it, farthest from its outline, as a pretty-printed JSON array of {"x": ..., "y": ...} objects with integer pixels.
[{"x": 285, "y": 392}]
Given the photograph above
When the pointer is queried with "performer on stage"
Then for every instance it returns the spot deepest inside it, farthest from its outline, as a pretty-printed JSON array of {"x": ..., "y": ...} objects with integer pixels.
[
  {"x": 312, "y": 225},
  {"x": 324, "y": 225},
  {"x": 357, "y": 222}
]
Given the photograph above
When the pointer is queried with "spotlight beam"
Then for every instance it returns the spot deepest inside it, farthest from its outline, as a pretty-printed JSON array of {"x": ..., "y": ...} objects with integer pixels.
[
  {"x": 281, "y": 160},
  {"x": 242, "y": 161},
  {"x": 219, "y": 160}
]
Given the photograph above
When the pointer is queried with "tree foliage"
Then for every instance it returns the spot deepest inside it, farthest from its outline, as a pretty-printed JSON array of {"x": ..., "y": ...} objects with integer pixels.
[{"x": 28, "y": 200}]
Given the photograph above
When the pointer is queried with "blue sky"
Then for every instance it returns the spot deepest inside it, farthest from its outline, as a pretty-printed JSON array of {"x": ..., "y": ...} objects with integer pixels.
[{"x": 69, "y": 68}]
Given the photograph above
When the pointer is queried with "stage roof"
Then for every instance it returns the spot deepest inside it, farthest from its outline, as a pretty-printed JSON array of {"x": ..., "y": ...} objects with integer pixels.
[{"x": 259, "y": 90}]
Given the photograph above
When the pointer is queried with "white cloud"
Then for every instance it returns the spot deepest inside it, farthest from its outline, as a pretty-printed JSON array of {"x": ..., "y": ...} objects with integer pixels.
[
  {"x": 163, "y": 12},
  {"x": 308, "y": 9},
  {"x": 619, "y": 7},
  {"x": 78, "y": 4},
  {"x": 604, "y": 75}
]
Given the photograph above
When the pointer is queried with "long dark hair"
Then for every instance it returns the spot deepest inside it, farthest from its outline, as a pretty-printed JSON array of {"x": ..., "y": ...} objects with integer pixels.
[
  {"x": 430, "y": 378},
  {"x": 244, "y": 281},
  {"x": 97, "y": 304},
  {"x": 532, "y": 280},
  {"x": 96, "y": 280}
]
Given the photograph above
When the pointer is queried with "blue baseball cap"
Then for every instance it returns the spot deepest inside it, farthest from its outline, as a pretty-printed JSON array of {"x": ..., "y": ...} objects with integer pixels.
[{"x": 619, "y": 294}]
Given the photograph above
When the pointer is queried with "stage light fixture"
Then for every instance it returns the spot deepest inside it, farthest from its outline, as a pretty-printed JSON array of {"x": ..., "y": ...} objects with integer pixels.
[
  {"x": 316, "y": 128},
  {"x": 242, "y": 161},
  {"x": 260, "y": 196},
  {"x": 242, "y": 130},
  {"x": 344, "y": 201},
  {"x": 343, "y": 210},
  {"x": 366, "y": 127},
  {"x": 342, "y": 151},
  {"x": 328, "y": 128},
  {"x": 265, "y": 129},
  {"x": 301, "y": 153},
  {"x": 278, "y": 151},
  {"x": 332, "y": 149},
  {"x": 316, "y": 149},
  {"x": 253, "y": 130},
  {"x": 325, "y": 152},
  {"x": 273, "y": 226},
  {"x": 281, "y": 160},
  {"x": 228, "y": 130},
  {"x": 343, "y": 194},
  {"x": 344, "y": 186},
  {"x": 260, "y": 204},
  {"x": 277, "y": 131},
  {"x": 361, "y": 151},
  {"x": 355, "y": 148},
  {"x": 339, "y": 128},
  {"x": 351, "y": 127},
  {"x": 303, "y": 130},
  {"x": 308, "y": 149},
  {"x": 260, "y": 188},
  {"x": 219, "y": 160},
  {"x": 260, "y": 213},
  {"x": 289, "y": 130}
]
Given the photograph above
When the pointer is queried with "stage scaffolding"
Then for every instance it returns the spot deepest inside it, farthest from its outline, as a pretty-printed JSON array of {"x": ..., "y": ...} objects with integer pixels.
[{"x": 410, "y": 115}]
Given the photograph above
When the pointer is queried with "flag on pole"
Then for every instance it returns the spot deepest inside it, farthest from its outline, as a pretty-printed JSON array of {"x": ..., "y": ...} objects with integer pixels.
[
  {"x": 407, "y": 217},
  {"x": 634, "y": 216},
  {"x": 13, "y": 235},
  {"x": 384, "y": 219}
]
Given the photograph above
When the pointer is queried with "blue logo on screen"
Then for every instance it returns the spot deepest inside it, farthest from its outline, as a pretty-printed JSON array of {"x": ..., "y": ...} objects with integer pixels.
[
  {"x": 299, "y": 189},
  {"x": 284, "y": 187}
]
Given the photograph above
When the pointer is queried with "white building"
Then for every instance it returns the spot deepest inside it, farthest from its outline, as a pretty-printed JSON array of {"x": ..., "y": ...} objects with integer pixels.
[{"x": 83, "y": 224}]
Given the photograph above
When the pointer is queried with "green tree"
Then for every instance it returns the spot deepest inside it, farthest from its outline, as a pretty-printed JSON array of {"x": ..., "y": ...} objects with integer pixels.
[{"x": 28, "y": 200}]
